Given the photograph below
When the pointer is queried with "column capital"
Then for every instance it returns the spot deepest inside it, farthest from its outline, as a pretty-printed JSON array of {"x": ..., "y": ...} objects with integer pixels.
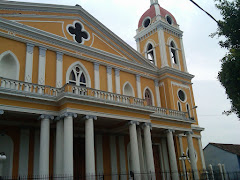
[
  {"x": 67, "y": 114},
  {"x": 96, "y": 65},
  {"x": 188, "y": 133},
  {"x": 87, "y": 117},
  {"x": 59, "y": 56},
  {"x": 42, "y": 51},
  {"x": 133, "y": 122},
  {"x": 30, "y": 48},
  {"x": 169, "y": 131},
  {"x": 46, "y": 116},
  {"x": 138, "y": 77},
  {"x": 1, "y": 112},
  {"x": 117, "y": 71},
  {"x": 146, "y": 124},
  {"x": 156, "y": 82},
  {"x": 109, "y": 69}
]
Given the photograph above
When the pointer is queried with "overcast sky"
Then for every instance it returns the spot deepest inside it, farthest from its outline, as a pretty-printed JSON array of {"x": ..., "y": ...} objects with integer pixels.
[{"x": 202, "y": 53}]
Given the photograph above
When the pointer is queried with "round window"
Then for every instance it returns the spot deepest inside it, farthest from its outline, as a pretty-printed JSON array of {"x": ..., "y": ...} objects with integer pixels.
[
  {"x": 169, "y": 19},
  {"x": 146, "y": 22},
  {"x": 181, "y": 95}
]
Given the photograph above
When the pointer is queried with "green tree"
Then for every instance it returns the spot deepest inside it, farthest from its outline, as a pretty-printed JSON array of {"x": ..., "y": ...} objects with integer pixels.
[{"x": 229, "y": 28}]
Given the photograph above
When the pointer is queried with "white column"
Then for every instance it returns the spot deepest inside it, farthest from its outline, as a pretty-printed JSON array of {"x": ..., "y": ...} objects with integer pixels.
[
  {"x": 134, "y": 149},
  {"x": 109, "y": 79},
  {"x": 99, "y": 154},
  {"x": 182, "y": 153},
  {"x": 172, "y": 155},
  {"x": 96, "y": 76},
  {"x": 44, "y": 145},
  {"x": 113, "y": 152},
  {"x": 41, "y": 67},
  {"x": 28, "y": 65},
  {"x": 59, "y": 69},
  {"x": 89, "y": 147},
  {"x": 165, "y": 160},
  {"x": 140, "y": 149},
  {"x": 201, "y": 153},
  {"x": 59, "y": 146},
  {"x": 23, "y": 152},
  {"x": 157, "y": 93},
  {"x": 183, "y": 55},
  {"x": 139, "y": 90},
  {"x": 149, "y": 150},
  {"x": 117, "y": 81},
  {"x": 138, "y": 45},
  {"x": 192, "y": 155},
  {"x": 68, "y": 143},
  {"x": 122, "y": 157},
  {"x": 162, "y": 45}
]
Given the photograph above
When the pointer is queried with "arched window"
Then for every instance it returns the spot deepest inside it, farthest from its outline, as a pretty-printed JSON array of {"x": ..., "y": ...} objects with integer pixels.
[
  {"x": 9, "y": 65},
  {"x": 173, "y": 53},
  {"x": 148, "y": 97},
  {"x": 150, "y": 53},
  {"x": 77, "y": 76},
  {"x": 188, "y": 110},
  {"x": 128, "y": 90},
  {"x": 179, "y": 106}
]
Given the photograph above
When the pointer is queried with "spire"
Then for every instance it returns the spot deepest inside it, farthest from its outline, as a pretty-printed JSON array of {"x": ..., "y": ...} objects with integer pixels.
[{"x": 152, "y": 2}]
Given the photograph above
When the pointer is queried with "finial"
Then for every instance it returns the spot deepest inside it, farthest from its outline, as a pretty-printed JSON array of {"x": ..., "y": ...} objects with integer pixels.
[{"x": 153, "y": 2}]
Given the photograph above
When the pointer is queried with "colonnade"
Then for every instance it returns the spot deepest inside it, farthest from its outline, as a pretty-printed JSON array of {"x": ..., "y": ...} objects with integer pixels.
[{"x": 64, "y": 147}]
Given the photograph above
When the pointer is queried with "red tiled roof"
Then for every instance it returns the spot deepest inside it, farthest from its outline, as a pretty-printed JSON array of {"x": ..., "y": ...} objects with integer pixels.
[
  {"x": 152, "y": 13},
  {"x": 232, "y": 148}
]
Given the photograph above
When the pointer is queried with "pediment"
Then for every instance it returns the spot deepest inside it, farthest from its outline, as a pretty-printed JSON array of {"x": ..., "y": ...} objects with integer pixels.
[{"x": 79, "y": 27}]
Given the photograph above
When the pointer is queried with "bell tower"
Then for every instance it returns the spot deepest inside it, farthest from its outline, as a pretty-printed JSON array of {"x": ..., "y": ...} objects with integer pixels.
[{"x": 159, "y": 38}]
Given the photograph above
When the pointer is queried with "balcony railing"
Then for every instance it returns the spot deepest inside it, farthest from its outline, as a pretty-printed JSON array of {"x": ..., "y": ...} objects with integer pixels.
[{"x": 79, "y": 91}]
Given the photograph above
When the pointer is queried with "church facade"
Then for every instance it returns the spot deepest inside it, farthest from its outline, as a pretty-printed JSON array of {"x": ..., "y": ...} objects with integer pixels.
[{"x": 76, "y": 100}]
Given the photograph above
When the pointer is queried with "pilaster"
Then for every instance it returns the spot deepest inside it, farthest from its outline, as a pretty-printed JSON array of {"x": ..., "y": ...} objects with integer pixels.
[
  {"x": 139, "y": 90},
  {"x": 109, "y": 78},
  {"x": 96, "y": 76},
  {"x": 117, "y": 81},
  {"x": 157, "y": 93},
  {"x": 162, "y": 45},
  {"x": 59, "y": 69}
]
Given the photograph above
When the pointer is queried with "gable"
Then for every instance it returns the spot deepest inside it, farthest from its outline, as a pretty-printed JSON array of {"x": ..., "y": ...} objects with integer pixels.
[{"x": 56, "y": 19}]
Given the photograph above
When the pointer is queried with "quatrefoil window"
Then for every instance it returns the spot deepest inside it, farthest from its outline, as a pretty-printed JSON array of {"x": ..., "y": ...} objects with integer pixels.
[{"x": 80, "y": 35}]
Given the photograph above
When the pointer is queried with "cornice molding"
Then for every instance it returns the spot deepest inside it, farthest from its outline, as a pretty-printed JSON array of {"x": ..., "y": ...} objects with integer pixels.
[{"x": 175, "y": 72}]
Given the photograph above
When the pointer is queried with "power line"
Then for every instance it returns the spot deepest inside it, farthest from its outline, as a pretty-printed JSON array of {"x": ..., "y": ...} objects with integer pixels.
[{"x": 204, "y": 11}]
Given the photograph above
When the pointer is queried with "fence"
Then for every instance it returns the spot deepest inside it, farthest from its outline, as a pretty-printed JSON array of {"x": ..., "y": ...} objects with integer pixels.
[{"x": 187, "y": 175}]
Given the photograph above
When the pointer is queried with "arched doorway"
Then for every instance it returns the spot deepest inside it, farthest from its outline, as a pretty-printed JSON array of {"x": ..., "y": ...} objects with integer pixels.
[{"x": 148, "y": 97}]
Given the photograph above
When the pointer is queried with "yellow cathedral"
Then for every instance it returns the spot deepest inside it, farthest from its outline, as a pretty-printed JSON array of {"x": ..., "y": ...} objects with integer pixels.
[{"x": 77, "y": 102}]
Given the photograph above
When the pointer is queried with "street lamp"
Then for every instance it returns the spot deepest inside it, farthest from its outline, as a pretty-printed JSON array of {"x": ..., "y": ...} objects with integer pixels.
[
  {"x": 3, "y": 157},
  {"x": 183, "y": 158}
]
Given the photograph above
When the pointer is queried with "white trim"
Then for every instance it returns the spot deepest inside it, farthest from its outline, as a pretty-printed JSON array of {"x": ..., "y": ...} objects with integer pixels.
[
  {"x": 16, "y": 60},
  {"x": 158, "y": 97},
  {"x": 96, "y": 76},
  {"x": 162, "y": 48},
  {"x": 83, "y": 29},
  {"x": 123, "y": 89},
  {"x": 183, "y": 55},
  {"x": 153, "y": 100},
  {"x": 117, "y": 81},
  {"x": 41, "y": 65},
  {"x": 168, "y": 15},
  {"x": 109, "y": 79},
  {"x": 29, "y": 63},
  {"x": 162, "y": 84},
  {"x": 59, "y": 69},
  {"x": 139, "y": 90},
  {"x": 87, "y": 76}
]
